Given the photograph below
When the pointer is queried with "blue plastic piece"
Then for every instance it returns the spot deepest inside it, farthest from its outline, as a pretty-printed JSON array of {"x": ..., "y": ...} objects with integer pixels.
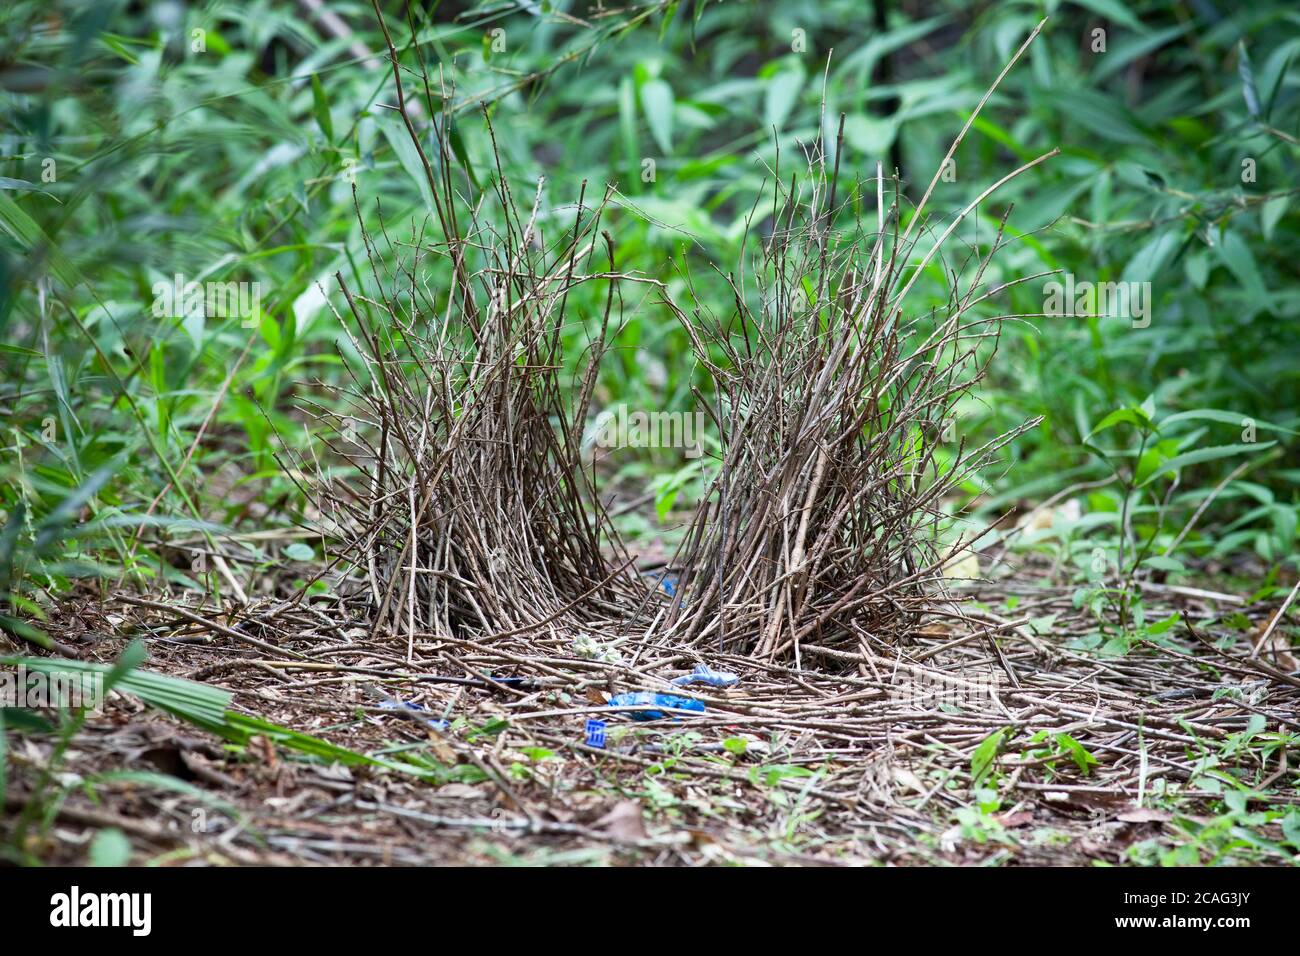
[
  {"x": 668, "y": 580},
  {"x": 646, "y": 699},
  {"x": 704, "y": 674},
  {"x": 411, "y": 705},
  {"x": 596, "y": 733}
]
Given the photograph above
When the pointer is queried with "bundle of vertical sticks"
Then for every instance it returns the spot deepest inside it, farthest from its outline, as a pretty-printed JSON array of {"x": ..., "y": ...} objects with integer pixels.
[{"x": 469, "y": 506}]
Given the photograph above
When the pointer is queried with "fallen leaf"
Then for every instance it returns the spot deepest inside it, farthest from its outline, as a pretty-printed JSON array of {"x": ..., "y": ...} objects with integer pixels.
[
  {"x": 1144, "y": 815},
  {"x": 460, "y": 791},
  {"x": 962, "y": 566},
  {"x": 1278, "y": 647},
  {"x": 624, "y": 821},
  {"x": 907, "y": 778},
  {"x": 1011, "y": 820}
]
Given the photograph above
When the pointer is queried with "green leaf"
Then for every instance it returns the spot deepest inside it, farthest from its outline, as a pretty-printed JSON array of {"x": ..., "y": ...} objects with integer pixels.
[
  {"x": 657, "y": 104},
  {"x": 202, "y": 705},
  {"x": 1097, "y": 114},
  {"x": 1270, "y": 213},
  {"x": 31, "y": 237},
  {"x": 782, "y": 93},
  {"x": 110, "y": 847},
  {"x": 1291, "y": 827},
  {"x": 869, "y": 135},
  {"x": 1115, "y": 647},
  {"x": 1249, "y": 92},
  {"x": 21, "y": 185},
  {"x": 299, "y": 552},
  {"x": 1163, "y": 626},
  {"x": 1197, "y": 267},
  {"x": 462, "y": 154},
  {"x": 1082, "y": 759},
  {"x": 1236, "y": 255},
  {"x": 1235, "y": 419},
  {"x": 1200, "y": 455},
  {"x": 1133, "y": 415},
  {"x": 24, "y": 721},
  {"x": 1148, "y": 262},
  {"x": 321, "y": 108},
  {"x": 1160, "y": 562},
  {"x": 407, "y": 155},
  {"x": 1112, "y": 10},
  {"x": 1125, "y": 49},
  {"x": 774, "y": 774},
  {"x": 981, "y": 762}
]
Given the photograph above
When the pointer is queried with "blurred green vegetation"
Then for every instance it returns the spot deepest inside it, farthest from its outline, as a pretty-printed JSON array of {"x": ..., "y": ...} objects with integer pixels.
[{"x": 219, "y": 141}]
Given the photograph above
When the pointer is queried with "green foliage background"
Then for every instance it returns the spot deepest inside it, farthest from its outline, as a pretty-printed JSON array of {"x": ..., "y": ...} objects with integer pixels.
[{"x": 233, "y": 163}]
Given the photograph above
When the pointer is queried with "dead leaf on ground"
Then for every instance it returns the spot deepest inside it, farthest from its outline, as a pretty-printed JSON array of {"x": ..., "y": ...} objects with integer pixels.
[
  {"x": 1018, "y": 819},
  {"x": 1144, "y": 815},
  {"x": 624, "y": 821},
  {"x": 460, "y": 791}
]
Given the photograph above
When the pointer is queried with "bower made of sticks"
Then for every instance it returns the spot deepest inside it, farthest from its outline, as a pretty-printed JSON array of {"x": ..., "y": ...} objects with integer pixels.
[{"x": 470, "y": 509}]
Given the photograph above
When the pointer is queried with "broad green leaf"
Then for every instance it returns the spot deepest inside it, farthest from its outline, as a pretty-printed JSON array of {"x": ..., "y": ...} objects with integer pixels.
[
  {"x": 408, "y": 156},
  {"x": 1082, "y": 758},
  {"x": 20, "y": 185},
  {"x": 782, "y": 93},
  {"x": 657, "y": 104},
  {"x": 1249, "y": 92},
  {"x": 1126, "y": 48},
  {"x": 869, "y": 135},
  {"x": 1113, "y": 10},
  {"x": 110, "y": 847},
  {"x": 1160, "y": 562},
  {"x": 1235, "y": 419},
  {"x": 1236, "y": 255},
  {"x": 981, "y": 761},
  {"x": 1200, "y": 455},
  {"x": 321, "y": 108},
  {"x": 1148, "y": 262},
  {"x": 1270, "y": 213},
  {"x": 30, "y": 236},
  {"x": 1087, "y": 111},
  {"x": 1161, "y": 627},
  {"x": 462, "y": 154},
  {"x": 1135, "y": 416}
]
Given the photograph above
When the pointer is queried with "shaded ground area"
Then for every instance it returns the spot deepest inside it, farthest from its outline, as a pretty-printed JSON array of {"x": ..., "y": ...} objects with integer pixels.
[{"x": 996, "y": 738}]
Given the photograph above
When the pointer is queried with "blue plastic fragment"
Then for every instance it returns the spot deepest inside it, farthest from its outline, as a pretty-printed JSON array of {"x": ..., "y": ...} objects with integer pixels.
[
  {"x": 411, "y": 705},
  {"x": 596, "y": 733},
  {"x": 645, "y": 698},
  {"x": 704, "y": 674},
  {"x": 668, "y": 580}
]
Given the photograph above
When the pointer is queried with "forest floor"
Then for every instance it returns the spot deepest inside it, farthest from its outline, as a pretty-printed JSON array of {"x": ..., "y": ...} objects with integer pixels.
[{"x": 1019, "y": 742}]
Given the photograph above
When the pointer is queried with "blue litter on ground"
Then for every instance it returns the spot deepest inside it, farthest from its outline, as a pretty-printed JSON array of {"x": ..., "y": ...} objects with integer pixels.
[
  {"x": 410, "y": 705},
  {"x": 596, "y": 733},
  {"x": 645, "y": 698},
  {"x": 704, "y": 674},
  {"x": 669, "y": 581}
]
